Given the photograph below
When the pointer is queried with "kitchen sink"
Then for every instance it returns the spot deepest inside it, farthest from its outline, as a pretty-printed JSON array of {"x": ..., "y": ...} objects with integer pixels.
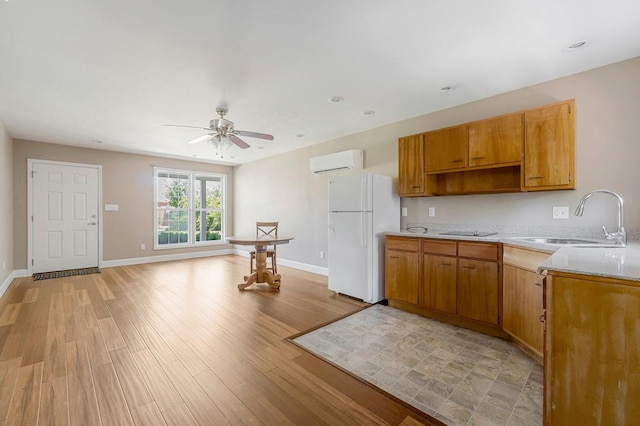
[{"x": 567, "y": 241}]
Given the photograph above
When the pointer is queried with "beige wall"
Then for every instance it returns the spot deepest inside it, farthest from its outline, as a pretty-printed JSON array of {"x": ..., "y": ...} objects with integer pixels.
[
  {"x": 127, "y": 180},
  {"x": 608, "y": 151},
  {"x": 6, "y": 201}
]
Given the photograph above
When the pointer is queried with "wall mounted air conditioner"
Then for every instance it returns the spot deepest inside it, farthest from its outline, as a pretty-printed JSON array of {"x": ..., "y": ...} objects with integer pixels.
[{"x": 344, "y": 160}]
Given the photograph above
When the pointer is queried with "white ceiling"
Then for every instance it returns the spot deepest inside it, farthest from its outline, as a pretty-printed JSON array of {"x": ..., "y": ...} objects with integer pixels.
[{"x": 80, "y": 71}]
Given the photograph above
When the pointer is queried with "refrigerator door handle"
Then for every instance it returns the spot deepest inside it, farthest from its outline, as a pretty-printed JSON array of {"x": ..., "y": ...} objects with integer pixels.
[
  {"x": 363, "y": 193},
  {"x": 363, "y": 231}
]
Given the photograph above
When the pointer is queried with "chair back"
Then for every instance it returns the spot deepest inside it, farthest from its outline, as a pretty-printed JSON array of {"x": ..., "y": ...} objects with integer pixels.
[{"x": 264, "y": 229}]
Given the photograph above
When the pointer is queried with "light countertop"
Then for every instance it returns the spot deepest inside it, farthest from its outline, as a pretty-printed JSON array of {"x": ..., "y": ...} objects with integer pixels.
[{"x": 619, "y": 262}]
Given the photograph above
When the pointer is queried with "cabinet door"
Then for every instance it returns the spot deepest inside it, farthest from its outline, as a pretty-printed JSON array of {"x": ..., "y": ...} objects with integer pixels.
[
  {"x": 496, "y": 140},
  {"x": 401, "y": 276},
  {"x": 592, "y": 362},
  {"x": 439, "y": 285},
  {"x": 446, "y": 148},
  {"x": 549, "y": 148},
  {"x": 411, "y": 166},
  {"x": 478, "y": 290},
  {"x": 522, "y": 307}
]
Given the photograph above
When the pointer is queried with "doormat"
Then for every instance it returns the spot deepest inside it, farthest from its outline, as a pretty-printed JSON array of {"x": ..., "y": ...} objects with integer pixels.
[{"x": 67, "y": 273}]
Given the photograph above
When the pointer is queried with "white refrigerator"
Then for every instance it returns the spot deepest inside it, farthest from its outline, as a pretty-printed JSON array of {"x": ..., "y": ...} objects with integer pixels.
[{"x": 361, "y": 209}]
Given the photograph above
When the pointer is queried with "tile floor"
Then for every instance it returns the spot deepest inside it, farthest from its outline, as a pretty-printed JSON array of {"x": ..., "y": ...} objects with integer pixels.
[{"x": 453, "y": 374}]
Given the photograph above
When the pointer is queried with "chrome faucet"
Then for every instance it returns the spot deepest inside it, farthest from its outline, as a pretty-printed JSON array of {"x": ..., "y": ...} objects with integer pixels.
[{"x": 620, "y": 236}]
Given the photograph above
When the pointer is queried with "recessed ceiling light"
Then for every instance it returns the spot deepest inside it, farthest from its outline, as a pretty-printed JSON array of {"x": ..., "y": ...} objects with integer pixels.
[
  {"x": 368, "y": 112},
  {"x": 576, "y": 45},
  {"x": 446, "y": 89},
  {"x": 336, "y": 99},
  {"x": 300, "y": 135}
]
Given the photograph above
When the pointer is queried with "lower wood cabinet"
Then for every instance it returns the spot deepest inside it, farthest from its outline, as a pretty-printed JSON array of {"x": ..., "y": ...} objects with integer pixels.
[
  {"x": 522, "y": 298},
  {"x": 592, "y": 354},
  {"x": 401, "y": 269},
  {"x": 478, "y": 290},
  {"x": 454, "y": 281},
  {"x": 439, "y": 289}
]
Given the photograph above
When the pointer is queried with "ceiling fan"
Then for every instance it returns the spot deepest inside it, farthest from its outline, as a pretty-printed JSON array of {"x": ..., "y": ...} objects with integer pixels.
[{"x": 222, "y": 134}]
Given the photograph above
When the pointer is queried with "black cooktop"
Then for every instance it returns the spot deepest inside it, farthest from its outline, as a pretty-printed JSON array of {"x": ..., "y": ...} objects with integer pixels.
[{"x": 468, "y": 233}]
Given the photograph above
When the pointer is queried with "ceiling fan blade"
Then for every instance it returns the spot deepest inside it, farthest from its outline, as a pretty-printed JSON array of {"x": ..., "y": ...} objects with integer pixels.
[
  {"x": 254, "y": 135},
  {"x": 188, "y": 127},
  {"x": 201, "y": 138},
  {"x": 242, "y": 144}
]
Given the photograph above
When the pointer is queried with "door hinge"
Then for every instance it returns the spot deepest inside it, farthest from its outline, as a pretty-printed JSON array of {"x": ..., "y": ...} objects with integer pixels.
[
  {"x": 32, "y": 218},
  {"x": 31, "y": 262},
  {"x": 33, "y": 173}
]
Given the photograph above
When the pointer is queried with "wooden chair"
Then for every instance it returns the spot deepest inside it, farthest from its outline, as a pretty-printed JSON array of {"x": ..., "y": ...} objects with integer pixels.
[{"x": 266, "y": 229}]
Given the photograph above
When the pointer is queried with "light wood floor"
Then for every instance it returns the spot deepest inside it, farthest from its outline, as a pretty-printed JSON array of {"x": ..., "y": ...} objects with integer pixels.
[{"x": 176, "y": 343}]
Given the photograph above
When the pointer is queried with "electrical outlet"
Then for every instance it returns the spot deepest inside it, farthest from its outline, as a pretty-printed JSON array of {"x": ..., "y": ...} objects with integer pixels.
[
  {"x": 143, "y": 247},
  {"x": 321, "y": 254},
  {"x": 432, "y": 212},
  {"x": 404, "y": 212},
  {"x": 561, "y": 212}
]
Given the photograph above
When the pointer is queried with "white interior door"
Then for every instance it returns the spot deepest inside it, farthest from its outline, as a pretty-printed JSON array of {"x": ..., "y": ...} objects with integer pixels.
[{"x": 65, "y": 217}]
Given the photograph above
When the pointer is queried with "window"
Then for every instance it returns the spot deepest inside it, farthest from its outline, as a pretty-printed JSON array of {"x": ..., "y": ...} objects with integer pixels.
[{"x": 189, "y": 208}]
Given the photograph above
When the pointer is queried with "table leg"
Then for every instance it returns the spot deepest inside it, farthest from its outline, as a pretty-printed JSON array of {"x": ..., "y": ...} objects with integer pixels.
[{"x": 261, "y": 274}]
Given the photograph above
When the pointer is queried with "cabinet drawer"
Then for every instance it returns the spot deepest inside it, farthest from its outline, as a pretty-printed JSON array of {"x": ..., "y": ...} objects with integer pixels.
[
  {"x": 524, "y": 258},
  {"x": 400, "y": 243},
  {"x": 439, "y": 247},
  {"x": 478, "y": 250}
]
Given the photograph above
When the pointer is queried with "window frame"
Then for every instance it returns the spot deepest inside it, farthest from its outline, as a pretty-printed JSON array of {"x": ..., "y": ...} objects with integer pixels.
[{"x": 191, "y": 209}]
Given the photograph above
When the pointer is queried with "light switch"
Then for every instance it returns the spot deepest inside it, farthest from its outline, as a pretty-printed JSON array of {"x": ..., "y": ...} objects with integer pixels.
[
  {"x": 111, "y": 207},
  {"x": 404, "y": 212},
  {"x": 432, "y": 212}
]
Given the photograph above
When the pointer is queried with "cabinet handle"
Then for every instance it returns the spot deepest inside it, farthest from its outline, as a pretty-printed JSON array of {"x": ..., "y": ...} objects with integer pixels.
[
  {"x": 415, "y": 186},
  {"x": 445, "y": 264},
  {"x": 478, "y": 158},
  {"x": 457, "y": 161},
  {"x": 538, "y": 284},
  {"x": 536, "y": 177},
  {"x": 541, "y": 318},
  {"x": 468, "y": 267},
  {"x": 393, "y": 257}
]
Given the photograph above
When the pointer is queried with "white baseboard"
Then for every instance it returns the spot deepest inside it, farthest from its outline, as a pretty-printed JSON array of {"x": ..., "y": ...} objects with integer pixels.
[
  {"x": 19, "y": 273},
  {"x": 293, "y": 264},
  {"x": 164, "y": 258}
]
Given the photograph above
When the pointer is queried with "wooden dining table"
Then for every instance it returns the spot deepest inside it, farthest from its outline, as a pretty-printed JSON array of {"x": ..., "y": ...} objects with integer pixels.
[{"x": 261, "y": 273}]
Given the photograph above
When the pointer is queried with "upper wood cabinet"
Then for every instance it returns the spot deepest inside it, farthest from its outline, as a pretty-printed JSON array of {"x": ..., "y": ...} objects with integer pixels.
[
  {"x": 446, "y": 148},
  {"x": 496, "y": 140},
  {"x": 411, "y": 179},
  {"x": 549, "y": 147},
  {"x": 532, "y": 150}
]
